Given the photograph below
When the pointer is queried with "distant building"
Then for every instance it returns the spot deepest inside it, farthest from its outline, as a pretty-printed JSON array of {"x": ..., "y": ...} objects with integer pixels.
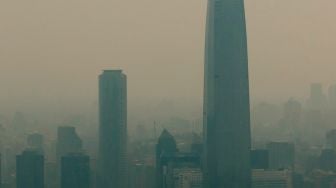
[
  {"x": 112, "y": 162},
  {"x": 281, "y": 155},
  {"x": 75, "y": 171},
  {"x": 317, "y": 100},
  {"x": 272, "y": 179},
  {"x": 259, "y": 159},
  {"x": 30, "y": 170},
  {"x": 51, "y": 175},
  {"x": 197, "y": 144},
  {"x": 327, "y": 160},
  {"x": 141, "y": 176},
  {"x": 187, "y": 178},
  {"x": 179, "y": 166},
  {"x": 331, "y": 139},
  {"x": 166, "y": 146},
  {"x": 291, "y": 116},
  {"x": 332, "y": 96},
  {"x": 35, "y": 141},
  {"x": 323, "y": 179},
  {"x": 315, "y": 125},
  {"x": 68, "y": 141}
]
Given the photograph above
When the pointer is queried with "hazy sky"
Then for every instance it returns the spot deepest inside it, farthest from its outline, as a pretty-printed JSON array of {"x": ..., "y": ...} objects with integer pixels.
[{"x": 51, "y": 51}]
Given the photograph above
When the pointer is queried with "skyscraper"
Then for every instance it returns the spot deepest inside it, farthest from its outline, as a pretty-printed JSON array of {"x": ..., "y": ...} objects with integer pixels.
[
  {"x": 112, "y": 129},
  {"x": 317, "y": 100},
  {"x": 30, "y": 170},
  {"x": 35, "y": 142},
  {"x": 281, "y": 155},
  {"x": 68, "y": 141},
  {"x": 75, "y": 171},
  {"x": 165, "y": 150},
  {"x": 226, "y": 97}
]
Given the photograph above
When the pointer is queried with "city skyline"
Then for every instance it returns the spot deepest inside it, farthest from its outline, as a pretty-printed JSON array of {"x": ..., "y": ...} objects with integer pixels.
[
  {"x": 262, "y": 68},
  {"x": 180, "y": 39}
]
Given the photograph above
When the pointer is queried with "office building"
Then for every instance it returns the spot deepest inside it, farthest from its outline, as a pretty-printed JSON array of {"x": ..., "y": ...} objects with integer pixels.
[
  {"x": 187, "y": 178},
  {"x": 75, "y": 171},
  {"x": 327, "y": 160},
  {"x": 331, "y": 139},
  {"x": 112, "y": 169},
  {"x": 141, "y": 175},
  {"x": 68, "y": 142},
  {"x": 226, "y": 97},
  {"x": 317, "y": 100},
  {"x": 281, "y": 155},
  {"x": 166, "y": 147},
  {"x": 30, "y": 170},
  {"x": 272, "y": 179},
  {"x": 35, "y": 141}
]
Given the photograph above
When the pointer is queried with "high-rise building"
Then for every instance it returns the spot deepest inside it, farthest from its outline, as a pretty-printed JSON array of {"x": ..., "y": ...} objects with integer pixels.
[
  {"x": 292, "y": 114},
  {"x": 226, "y": 97},
  {"x": 30, "y": 170},
  {"x": 281, "y": 155},
  {"x": 112, "y": 130},
  {"x": 327, "y": 160},
  {"x": 317, "y": 99},
  {"x": 75, "y": 171},
  {"x": 35, "y": 142},
  {"x": 141, "y": 175},
  {"x": 51, "y": 173},
  {"x": 197, "y": 144},
  {"x": 331, "y": 139},
  {"x": 68, "y": 141},
  {"x": 165, "y": 147},
  {"x": 332, "y": 96}
]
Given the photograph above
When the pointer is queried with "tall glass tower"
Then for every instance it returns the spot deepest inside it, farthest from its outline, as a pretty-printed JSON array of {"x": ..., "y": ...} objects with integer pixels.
[
  {"x": 112, "y": 162},
  {"x": 226, "y": 97}
]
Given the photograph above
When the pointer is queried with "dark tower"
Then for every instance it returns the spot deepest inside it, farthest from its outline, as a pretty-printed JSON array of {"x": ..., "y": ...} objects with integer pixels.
[
  {"x": 68, "y": 141},
  {"x": 75, "y": 171},
  {"x": 30, "y": 170},
  {"x": 112, "y": 172},
  {"x": 226, "y": 97},
  {"x": 166, "y": 147}
]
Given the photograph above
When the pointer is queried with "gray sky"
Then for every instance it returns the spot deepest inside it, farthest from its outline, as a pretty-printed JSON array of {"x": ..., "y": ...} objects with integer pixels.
[{"x": 51, "y": 51}]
